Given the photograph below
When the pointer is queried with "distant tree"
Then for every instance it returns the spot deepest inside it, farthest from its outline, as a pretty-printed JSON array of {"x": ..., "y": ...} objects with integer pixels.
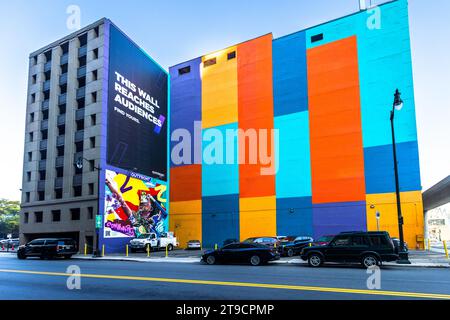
[{"x": 9, "y": 217}]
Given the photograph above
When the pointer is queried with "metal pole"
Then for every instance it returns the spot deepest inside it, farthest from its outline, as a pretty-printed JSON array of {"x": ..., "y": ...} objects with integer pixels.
[
  {"x": 97, "y": 231},
  {"x": 403, "y": 255}
]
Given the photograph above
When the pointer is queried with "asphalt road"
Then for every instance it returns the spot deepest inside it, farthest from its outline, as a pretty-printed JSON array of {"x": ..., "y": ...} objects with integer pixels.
[{"x": 110, "y": 280}]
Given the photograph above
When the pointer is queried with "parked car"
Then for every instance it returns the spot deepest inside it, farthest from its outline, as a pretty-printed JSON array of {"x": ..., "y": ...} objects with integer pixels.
[
  {"x": 324, "y": 240},
  {"x": 48, "y": 248},
  {"x": 244, "y": 252},
  {"x": 194, "y": 245},
  {"x": 230, "y": 241},
  {"x": 293, "y": 245},
  {"x": 397, "y": 245},
  {"x": 367, "y": 248},
  {"x": 152, "y": 241},
  {"x": 268, "y": 241}
]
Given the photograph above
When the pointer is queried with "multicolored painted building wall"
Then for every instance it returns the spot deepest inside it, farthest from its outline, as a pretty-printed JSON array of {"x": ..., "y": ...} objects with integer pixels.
[{"x": 328, "y": 90}]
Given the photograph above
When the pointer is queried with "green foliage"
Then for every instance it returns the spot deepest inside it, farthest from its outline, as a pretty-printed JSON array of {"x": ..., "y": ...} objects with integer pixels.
[{"x": 9, "y": 217}]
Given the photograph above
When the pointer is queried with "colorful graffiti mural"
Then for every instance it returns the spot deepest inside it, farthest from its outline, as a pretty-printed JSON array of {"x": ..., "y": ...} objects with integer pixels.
[{"x": 134, "y": 205}]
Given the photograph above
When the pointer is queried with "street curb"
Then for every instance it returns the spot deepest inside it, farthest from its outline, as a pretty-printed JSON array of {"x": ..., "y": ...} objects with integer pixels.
[{"x": 294, "y": 261}]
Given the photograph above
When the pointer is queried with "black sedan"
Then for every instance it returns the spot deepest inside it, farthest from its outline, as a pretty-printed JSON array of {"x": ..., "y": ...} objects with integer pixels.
[
  {"x": 252, "y": 253},
  {"x": 293, "y": 245}
]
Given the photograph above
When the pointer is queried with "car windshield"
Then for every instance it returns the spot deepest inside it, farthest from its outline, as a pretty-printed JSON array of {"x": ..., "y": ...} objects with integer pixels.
[
  {"x": 249, "y": 240},
  {"x": 289, "y": 239},
  {"x": 325, "y": 239},
  {"x": 143, "y": 236}
]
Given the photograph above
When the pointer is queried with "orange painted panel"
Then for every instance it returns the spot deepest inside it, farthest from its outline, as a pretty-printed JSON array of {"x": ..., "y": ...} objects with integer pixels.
[
  {"x": 337, "y": 156},
  {"x": 186, "y": 183},
  {"x": 255, "y": 111},
  {"x": 186, "y": 221}
]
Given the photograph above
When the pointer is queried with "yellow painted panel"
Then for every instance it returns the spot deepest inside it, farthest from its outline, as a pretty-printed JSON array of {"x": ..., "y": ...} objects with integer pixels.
[
  {"x": 412, "y": 211},
  {"x": 219, "y": 89},
  {"x": 257, "y": 217},
  {"x": 186, "y": 221}
]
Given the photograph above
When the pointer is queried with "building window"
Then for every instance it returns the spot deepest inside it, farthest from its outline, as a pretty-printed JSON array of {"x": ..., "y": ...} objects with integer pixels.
[
  {"x": 44, "y": 134},
  {"x": 34, "y": 60},
  {"x": 231, "y": 55},
  {"x": 77, "y": 191},
  {"x": 28, "y": 176},
  {"x": 95, "y": 53},
  {"x": 64, "y": 68},
  {"x": 60, "y": 172},
  {"x": 63, "y": 89},
  {"x": 30, "y": 156},
  {"x": 26, "y": 217},
  {"x": 45, "y": 115},
  {"x": 94, "y": 75},
  {"x": 56, "y": 215},
  {"x": 75, "y": 214},
  {"x": 209, "y": 62},
  {"x": 27, "y": 197},
  {"x": 41, "y": 195},
  {"x": 33, "y": 79},
  {"x": 96, "y": 32},
  {"x": 90, "y": 213},
  {"x": 58, "y": 194},
  {"x": 317, "y": 37},
  {"x": 31, "y": 136},
  {"x": 32, "y": 117},
  {"x": 44, "y": 155},
  {"x": 81, "y": 82},
  {"x": 42, "y": 175},
  {"x": 83, "y": 39},
  {"x": 93, "y": 119},
  {"x": 33, "y": 97},
  {"x": 62, "y": 109},
  {"x": 80, "y": 124},
  {"x": 91, "y": 189},
  {"x": 92, "y": 142},
  {"x": 94, "y": 97},
  {"x": 38, "y": 217},
  {"x": 82, "y": 61},
  {"x": 184, "y": 70},
  {"x": 91, "y": 165}
]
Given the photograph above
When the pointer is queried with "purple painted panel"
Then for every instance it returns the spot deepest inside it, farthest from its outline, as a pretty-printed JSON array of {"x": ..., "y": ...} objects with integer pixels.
[
  {"x": 186, "y": 101},
  {"x": 333, "y": 218}
]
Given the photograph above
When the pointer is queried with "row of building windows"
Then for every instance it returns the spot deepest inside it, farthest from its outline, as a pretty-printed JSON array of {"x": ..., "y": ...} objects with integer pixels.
[
  {"x": 77, "y": 191},
  {"x": 75, "y": 215}
]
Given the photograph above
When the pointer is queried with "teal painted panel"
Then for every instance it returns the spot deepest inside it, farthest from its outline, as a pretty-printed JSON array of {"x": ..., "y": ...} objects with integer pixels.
[
  {"x": 293, "y": 178},
  {"x": 384, "y": 56},
  {"x": 222, "y": 176}
]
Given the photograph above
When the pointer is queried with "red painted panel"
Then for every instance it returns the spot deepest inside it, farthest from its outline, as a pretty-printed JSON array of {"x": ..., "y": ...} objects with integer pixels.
[
  {"x": 255, "y": 110},
  {"x": 337, "y": 156},
  {"x": 186, "y": 183}
]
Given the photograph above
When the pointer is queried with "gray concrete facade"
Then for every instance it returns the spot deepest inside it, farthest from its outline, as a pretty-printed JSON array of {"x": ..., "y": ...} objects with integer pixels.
[{"x": 64, "y": 115}]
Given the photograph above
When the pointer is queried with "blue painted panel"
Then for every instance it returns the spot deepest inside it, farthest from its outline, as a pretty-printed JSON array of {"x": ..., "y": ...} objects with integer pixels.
[
  {"x": 384, "y": 56},
  {"x": 293, "y": 178},
  {"x": 186, "y": 103},
  {"x": 333, "y": 218},
  {"x": 220, "y": 219},
  {"x": 290, "y": 81},
  {"x": 379, "y": 168},
  {"x": 220, "y": 178},
  {"x": 294, "y": 216}
]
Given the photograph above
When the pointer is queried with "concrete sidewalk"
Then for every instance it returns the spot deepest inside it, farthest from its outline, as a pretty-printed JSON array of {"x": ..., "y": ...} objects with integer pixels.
[{"x": 423, "y": 259}]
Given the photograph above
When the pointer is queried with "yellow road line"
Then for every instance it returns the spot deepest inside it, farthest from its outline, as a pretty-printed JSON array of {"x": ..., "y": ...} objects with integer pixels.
[{"x": 244, "y": 284}]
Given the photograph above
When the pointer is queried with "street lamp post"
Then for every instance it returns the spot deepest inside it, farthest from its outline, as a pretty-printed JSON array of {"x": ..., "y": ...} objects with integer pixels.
[
  {"x": 79, "y": 165},
  {"x": 398, "y": 104}
]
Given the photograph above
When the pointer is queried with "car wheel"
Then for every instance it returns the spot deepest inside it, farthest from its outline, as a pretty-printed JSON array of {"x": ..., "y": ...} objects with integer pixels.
[
  {"x": 255, "y": 260},
  {"x": 290, "y": 253},
  {"x": 315, "y": 260},
  {"x": 133, "y": 250},
  {"x": 369, "y": 260},
  {"x": 68, "y": 256},
  {"x": 170, "y": 247},
  {"x": 211, "y": 260},
  {"x": 21, "y": 255}
]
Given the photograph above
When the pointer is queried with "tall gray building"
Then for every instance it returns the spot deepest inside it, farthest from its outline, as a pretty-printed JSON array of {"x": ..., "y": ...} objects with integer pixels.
[{"x": 63, "y": 124}]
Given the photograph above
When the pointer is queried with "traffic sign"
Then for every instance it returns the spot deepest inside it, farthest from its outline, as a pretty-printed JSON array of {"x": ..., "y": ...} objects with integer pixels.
[{"x": 98, "y": 222}]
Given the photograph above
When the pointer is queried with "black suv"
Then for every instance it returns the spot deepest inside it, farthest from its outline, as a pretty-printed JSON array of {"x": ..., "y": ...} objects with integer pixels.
[
  {"x": 48, "y": 248},
  {"x": 367, "y": 248}
]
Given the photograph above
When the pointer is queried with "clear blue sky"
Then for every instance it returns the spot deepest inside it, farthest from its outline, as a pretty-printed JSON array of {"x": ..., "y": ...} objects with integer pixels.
[{"x": 173, "y": 31}]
